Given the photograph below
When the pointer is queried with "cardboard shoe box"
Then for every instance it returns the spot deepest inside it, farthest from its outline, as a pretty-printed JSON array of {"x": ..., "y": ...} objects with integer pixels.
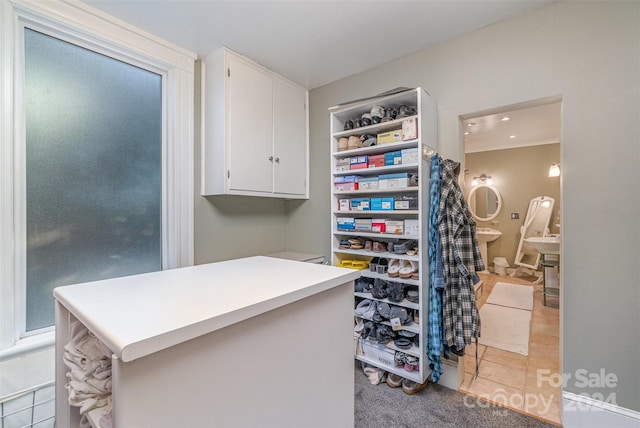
[
  {"x": 378, "y": 225},
  {"x": 362, "y": 224},
  {"x": 359, "y": 162},
  {"x": 411, "y": 227},
  {"x": 344, "y": 205},
  {"x": 395, "y": 226},
  {"x": 393, "y": 158},
  {"x": 360, "y": 204},
  {"x": 376, "y": 160},
  {"x": 382, "y": 204},
  {"x": 410, "y": 129},
  {"x": 347, "y": 183},
  {"x": 343, "y": 164},
  {"x": 393, "y": 181},
  {"x": 346, "y": 223},
  {"x": 409, "y": 156},
  {"x": 390, "y": 136},
  {"x": 406, "y": 202},
  {"x": 368, "y": 183}
]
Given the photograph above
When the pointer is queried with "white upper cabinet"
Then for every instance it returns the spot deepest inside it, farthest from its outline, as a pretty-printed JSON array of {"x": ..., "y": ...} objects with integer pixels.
[{"x": 255, "y": 130}]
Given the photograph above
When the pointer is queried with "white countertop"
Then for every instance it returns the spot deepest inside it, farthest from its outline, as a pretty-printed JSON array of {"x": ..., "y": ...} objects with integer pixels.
[{"x": 142, "y": 314}]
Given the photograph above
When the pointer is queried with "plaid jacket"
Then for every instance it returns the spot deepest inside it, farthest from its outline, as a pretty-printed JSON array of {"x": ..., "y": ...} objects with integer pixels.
[{"x": 461, "y": 260}]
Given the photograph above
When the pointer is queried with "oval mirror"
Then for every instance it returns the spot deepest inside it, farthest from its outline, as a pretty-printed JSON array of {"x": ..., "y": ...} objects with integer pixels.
[{"x": 485, "y": 202}]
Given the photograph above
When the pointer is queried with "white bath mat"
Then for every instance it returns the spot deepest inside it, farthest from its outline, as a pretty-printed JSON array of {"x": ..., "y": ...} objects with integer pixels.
[
  {"x": 512, "y": 295},
  {"x": 505, "y": 328}
]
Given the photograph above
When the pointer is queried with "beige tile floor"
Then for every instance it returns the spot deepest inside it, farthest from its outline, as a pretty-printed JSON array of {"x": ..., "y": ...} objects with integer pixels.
[{"x": 523, "y": 383}]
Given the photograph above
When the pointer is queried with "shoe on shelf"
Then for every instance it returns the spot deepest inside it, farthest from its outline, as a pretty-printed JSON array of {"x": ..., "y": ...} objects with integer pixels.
[
  {"x": 410, "y": 387},
  {"x": 343, "y": 144},
  {"x": 407, "y": 268},
  {"x": 379, "y": 247},
  {"x": 394, "y": 380},
  {"x": 393, "y": 268},
  {"x": 381, "y": 267},
  {"x": 354, "y": 142}
]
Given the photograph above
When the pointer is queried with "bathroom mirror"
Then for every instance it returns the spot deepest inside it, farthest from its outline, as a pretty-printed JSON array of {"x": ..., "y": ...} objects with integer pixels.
[{"x": 485, "y": 202}]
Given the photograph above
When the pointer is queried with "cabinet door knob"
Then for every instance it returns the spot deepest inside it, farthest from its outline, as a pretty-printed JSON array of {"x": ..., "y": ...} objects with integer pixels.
[
  {"x": 277, "y": 159},
  {"x": 271, "y": 158}
]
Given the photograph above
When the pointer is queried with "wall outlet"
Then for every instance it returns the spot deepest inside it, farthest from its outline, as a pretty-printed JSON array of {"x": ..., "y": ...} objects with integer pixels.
[{"x": 515, "y": 216}]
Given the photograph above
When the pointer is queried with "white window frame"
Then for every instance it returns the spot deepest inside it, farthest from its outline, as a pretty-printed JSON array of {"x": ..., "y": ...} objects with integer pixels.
[{"x": 85, "y": 26}]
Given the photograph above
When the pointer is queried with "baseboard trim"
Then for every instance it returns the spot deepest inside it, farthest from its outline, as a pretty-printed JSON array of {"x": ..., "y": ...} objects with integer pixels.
[{"x": 577, "y": 407}]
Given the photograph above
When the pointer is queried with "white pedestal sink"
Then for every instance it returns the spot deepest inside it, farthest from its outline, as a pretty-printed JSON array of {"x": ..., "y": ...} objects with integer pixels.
[
  {"x": 485, "y": 235},
  {"x": 545, "y": 244}
]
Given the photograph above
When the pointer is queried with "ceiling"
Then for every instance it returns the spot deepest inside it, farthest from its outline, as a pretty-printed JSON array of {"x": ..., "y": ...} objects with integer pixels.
[
  {"x": 313, "y": 42},
  {"x": 530, "y": 124}
]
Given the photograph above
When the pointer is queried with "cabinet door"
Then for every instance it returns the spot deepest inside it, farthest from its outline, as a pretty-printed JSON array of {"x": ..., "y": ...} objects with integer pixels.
[
  {"x": 290, "y": 139},
  {"x": 250, "y": 128}
]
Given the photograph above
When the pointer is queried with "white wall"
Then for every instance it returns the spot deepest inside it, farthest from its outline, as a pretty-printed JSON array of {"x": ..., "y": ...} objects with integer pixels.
[{"x": 587, "y": 52}]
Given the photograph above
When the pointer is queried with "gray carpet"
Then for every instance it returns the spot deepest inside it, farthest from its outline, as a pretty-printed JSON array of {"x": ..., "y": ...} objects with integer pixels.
[{"x": 379, "y": 406}]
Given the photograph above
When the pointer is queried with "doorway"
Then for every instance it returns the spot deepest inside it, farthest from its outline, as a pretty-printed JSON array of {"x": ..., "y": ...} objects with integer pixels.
[{"x": 510, "y": 149}]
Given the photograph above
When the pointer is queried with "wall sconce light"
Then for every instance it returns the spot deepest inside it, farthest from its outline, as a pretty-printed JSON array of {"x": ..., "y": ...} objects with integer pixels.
[
  {"x": 486, "y": 179},
  {"x": 554, "y": 170}
]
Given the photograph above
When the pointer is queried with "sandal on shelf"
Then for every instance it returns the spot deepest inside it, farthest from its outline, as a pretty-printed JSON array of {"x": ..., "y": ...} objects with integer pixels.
[
  {"x": 407, "y": 268},
  {"x": 356, "y": 244},
  {"x": 412, "y": 252},
  {"x": 403, "y": 247},
  {"x": 393, "y": 268},
  {"x": 344, "y": 244},
  {"x": 354, "y": 264},
  {"x": 359, "y": 265}
]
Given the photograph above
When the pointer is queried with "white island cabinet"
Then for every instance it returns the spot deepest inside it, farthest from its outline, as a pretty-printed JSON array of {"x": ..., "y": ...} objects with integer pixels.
[{"x": 254, "y": 342}]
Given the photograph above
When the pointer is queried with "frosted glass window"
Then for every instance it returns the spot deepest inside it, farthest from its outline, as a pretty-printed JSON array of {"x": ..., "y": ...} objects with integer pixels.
[{"x": 93, "y": 170}]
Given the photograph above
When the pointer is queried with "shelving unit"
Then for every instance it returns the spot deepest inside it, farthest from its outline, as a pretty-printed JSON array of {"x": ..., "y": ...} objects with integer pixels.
[{"x": 376, "y": 354}]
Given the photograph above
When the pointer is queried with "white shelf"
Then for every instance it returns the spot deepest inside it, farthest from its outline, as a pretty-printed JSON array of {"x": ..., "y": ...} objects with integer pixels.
[
  {"x": 385, "y": 277},
  {"x": 378, "y": 212},
  {"x": 414, "y": 376},
  {"x": 374, "y": 235},
  {"x": 413, "y": 189},
  {"x": 405, "y": 303},
  {"x": 386, "y": 254},
  {"x": 373, "y": 129},
  {"x": 377, "y": 149},
  {"x": 379, "y": 169}
]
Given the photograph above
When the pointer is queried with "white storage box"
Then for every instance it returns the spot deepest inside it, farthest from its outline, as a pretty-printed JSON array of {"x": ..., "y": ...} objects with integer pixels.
[
  {"x": 411, "y": 227},
  {"x": 409, "y": 156},
  {"x": 378, "y": 353}
]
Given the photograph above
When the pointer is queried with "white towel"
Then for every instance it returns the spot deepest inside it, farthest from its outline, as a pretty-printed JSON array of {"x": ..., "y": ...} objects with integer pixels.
[{"x": 89, "y": 375}]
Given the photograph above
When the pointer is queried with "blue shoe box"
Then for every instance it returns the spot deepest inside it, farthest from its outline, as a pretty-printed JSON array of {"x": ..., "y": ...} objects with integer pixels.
[
  {"x": 346, "y": 223},
  {"x": 360, "y": 204},
  {"x": 393, "y": 158},
  {"x": 382, "y": 204}
]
